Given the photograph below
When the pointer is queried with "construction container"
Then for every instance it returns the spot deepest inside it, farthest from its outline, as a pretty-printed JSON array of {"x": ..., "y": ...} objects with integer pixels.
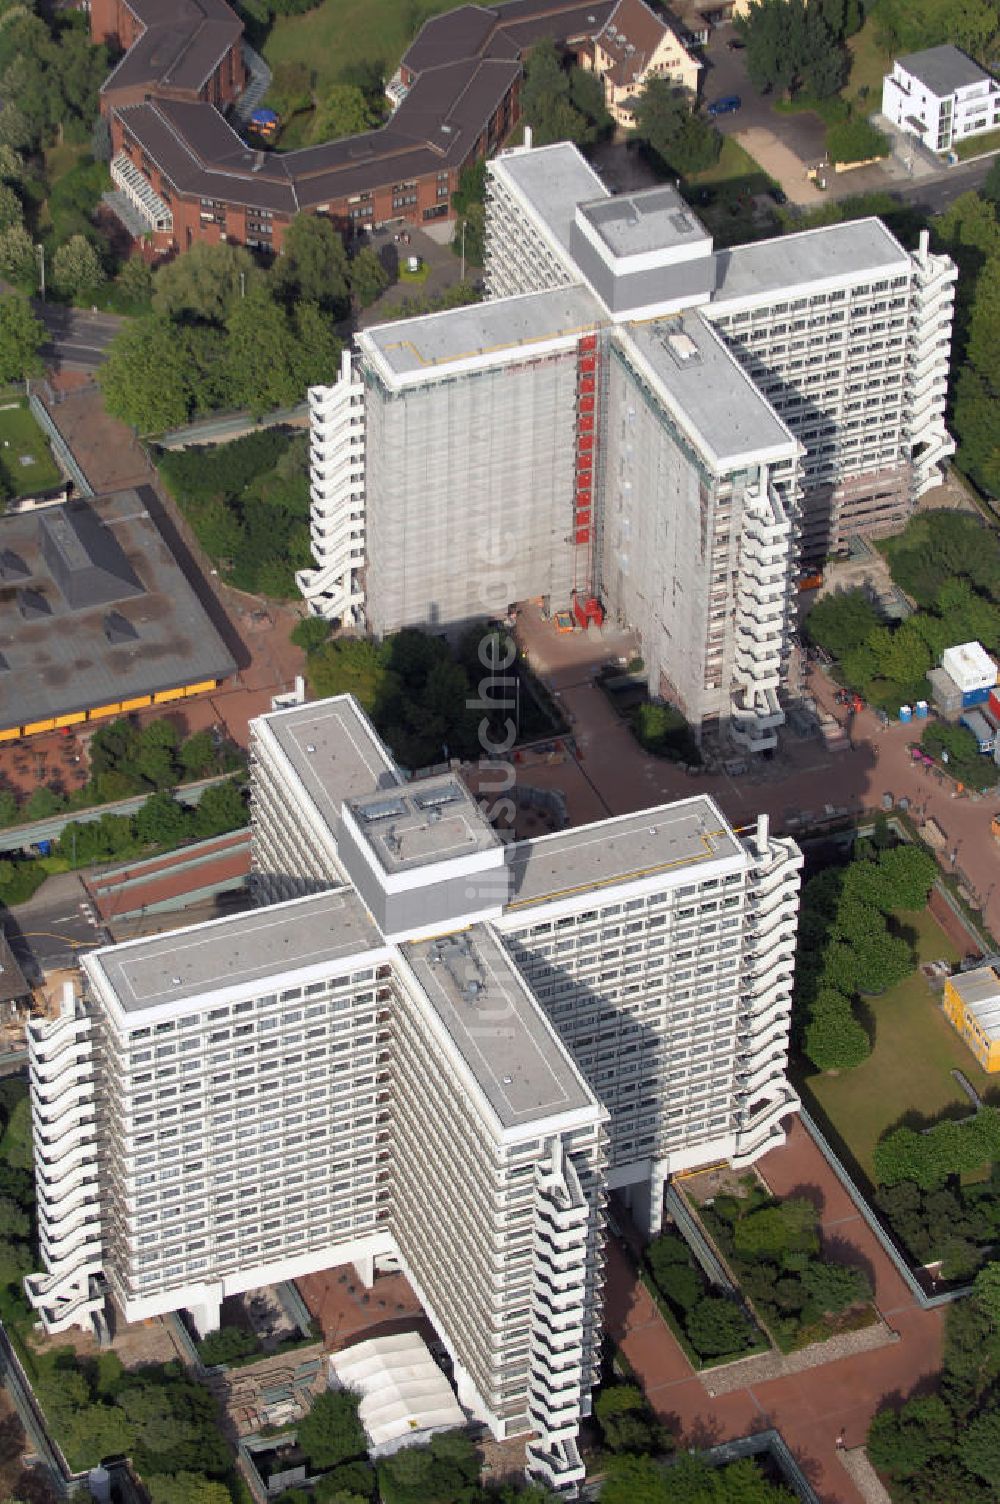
[
  {"x": 945, "y": 692},
  {"x": 974, "y": 697},
  {"x": 985, "y": 735},
  {"x": 971, "y": 667}
]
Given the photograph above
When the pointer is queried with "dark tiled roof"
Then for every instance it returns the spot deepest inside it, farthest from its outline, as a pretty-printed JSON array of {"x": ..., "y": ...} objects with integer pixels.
[
  {"x": 183, "y": 44},
  {"x": 631, "y": 25},
  {"x": 465, "y": 63}
]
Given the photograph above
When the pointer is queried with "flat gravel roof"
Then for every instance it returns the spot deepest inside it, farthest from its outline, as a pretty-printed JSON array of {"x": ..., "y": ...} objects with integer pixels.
[
  {"x": 518, "y": 1061},
  {"x": 95, "y": 609},
  {"x": 795, "y": 261},
  {"x": 666, "y": 839},
  {"x": 708, "y": 391},
  {"x": 333, "y": 751},
  {"x": 420, "y": 347},
  {"x": 257, "y": 946}
]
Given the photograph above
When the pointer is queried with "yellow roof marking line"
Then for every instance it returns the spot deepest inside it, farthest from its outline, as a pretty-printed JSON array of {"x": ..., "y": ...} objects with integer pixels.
[{"x": 623, "y": 877}]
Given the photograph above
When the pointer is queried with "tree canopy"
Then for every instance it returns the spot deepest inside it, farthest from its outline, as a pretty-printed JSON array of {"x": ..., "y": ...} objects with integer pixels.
[
  {"x": 665, "y": 119},
  {"x": 21, "y": 337}
]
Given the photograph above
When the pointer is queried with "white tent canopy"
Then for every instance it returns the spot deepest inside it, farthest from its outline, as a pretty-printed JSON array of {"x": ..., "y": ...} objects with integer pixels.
[{"x": 404, "y": 1394}]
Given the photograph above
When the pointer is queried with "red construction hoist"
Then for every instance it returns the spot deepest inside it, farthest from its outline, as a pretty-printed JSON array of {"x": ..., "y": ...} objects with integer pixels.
[{"x": 586, "y": 606}]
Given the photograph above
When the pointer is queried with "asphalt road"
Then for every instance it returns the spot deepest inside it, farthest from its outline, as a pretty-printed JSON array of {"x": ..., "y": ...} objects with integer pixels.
[
  {"x": 77, "y": 338},
  {"x": 51, "y": 930}
]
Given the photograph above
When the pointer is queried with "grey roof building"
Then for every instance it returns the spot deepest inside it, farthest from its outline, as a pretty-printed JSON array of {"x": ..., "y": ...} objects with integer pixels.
[{"x": 96, "y": 613}]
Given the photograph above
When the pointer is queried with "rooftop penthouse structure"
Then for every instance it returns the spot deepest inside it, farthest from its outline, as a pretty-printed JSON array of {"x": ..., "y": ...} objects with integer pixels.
[
  {"x": 636, "y": 417},
  {"x": 426, "y": 1049}
]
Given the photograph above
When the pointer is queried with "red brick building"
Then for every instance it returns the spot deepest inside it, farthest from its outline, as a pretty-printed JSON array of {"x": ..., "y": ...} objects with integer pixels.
[{"x": 188, "y": 176}]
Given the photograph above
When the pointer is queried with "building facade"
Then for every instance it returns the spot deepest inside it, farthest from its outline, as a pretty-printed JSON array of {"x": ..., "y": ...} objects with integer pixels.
[
  {"x": 667, "y": 427},
  {"x": 941, "y": 96},
  {"x": 439, "y": 1056},
  {"x": 633, "y": 46}
]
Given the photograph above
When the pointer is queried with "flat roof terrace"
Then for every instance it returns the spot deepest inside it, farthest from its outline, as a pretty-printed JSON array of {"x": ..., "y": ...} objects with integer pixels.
[
  {"x": 412, "y": 350},
  {"x": 667, "y": 840},
  {"x": 518, "y": 1061},
  {"x": 333, "y": 751},
  {"x": 433, "y": 820},
  {"x": 259, "y": 946}
]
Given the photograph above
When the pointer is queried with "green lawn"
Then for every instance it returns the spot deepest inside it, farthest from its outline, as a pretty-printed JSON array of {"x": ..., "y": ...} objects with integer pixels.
[
  {"x": 868, "y": 65},
  {"x": 21, "y": 438},
  {"x": 723, "y": 196},
  {"x": 977, "y": 146},
  {"x": 342, "y": 32},
  {"x": 909, "y": 1069}
]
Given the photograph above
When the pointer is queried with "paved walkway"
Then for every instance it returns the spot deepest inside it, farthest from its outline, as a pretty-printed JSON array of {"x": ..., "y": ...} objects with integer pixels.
[{"x": 810, "y": 1409}]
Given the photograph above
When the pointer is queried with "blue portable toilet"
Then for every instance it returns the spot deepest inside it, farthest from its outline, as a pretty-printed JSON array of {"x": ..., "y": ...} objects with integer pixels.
[
  {"x": 920, "y": 710},
  {"x": 905, "y": 713}
]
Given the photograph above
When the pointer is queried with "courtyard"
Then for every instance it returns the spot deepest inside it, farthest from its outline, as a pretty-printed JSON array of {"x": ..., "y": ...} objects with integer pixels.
[{"x": 909, "y": 1076}]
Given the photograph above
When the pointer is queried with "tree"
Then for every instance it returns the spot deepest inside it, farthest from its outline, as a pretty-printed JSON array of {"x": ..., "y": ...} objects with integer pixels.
[
  {"x": 162, "y": 821},
  {"x": 545, "y": 101},
  {"x": 10, "y": 808},
  {"x": 197, "y": 754},
  {"x": 902, "y": 1442},
  {"x": 221, "y": 808},
  {"x": 665, "y": 120},
  {"x": 21, "y": 338},
  {"x": 906, "y": 874},
  {"x": 42, "y": 803},
  {"x": 910, "y": 25},
  {"x": 790, "y": 45},
  {"x": 17, "y": 254},
  {"x": 145, "y": 378},
  {"x": 135, "y": 280},
  {"x": 716, "y": 1325},
  {"x": 14, "y": 1222},
  {"x": 986, "y": 1292},
  {"x": 291, "y": 88},
  {"x": 344, "y": 110},
  {"x": 834, "y": 1040},
  {"x": 227, "y": 1343},
  {"x": 258, "y": 324},
  {"x": 772, "y": 1232},
  {"x": 310, "y": 633},
  {"x": 186, "y": 1488},
  {"x": 635, "y": 1480},
  {"x": 76, "y": 268},
  {"x": 626, "y": 1421},
  {"x": 313, "y": 264},
  {"x": 206, "y": 282},
  {"x": 681, "y": 1285},
  {"x": 842, "y": 621},
  {"x": 368, "y": 277},
  {"x": 834, "y": 1287},
  {"x": 444, "y": 1472},
  {"x": 979, "y": 1446}
]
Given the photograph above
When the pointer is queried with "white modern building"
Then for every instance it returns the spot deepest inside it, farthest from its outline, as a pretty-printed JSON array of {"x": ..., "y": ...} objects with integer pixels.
[
  {"x": 635, "y": 417},
  {"x": 438, "y": 1056},
  {"x": 941, "y": 96}
]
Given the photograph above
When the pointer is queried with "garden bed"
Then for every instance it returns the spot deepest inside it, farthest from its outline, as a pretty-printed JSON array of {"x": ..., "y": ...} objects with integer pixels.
[
  {"x": 711, "y": 1327},
  {"x": 773, "y": 1246}
]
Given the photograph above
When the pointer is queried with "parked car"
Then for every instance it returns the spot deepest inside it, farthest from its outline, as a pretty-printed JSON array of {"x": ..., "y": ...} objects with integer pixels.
[
  {"x": 727, "y": 105},
  {"x": 778, "y": 194},
  {"x": 736, "y": 44}
]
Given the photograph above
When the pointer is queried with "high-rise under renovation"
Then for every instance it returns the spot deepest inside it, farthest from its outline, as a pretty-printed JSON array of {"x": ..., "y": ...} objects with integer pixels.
[
  {"x": 426, "y": 1049},
  {"x": 634, "y": 423}
]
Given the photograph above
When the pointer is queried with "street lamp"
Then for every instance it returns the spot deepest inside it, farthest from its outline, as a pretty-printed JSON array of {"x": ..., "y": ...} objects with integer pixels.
[
  {"x": 40, "y": 253},
  {"x": 462, "y": 278}
]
